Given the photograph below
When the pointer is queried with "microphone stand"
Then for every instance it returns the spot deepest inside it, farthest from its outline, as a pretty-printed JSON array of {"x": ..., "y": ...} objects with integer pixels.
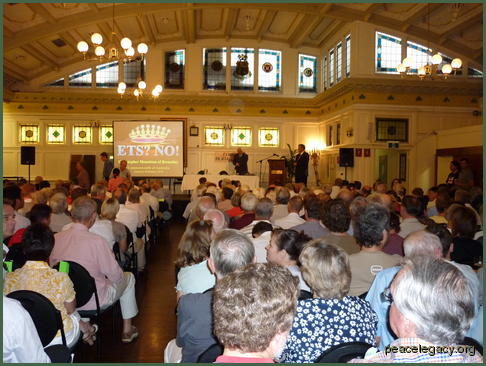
[{"x": 260, "y": 168}]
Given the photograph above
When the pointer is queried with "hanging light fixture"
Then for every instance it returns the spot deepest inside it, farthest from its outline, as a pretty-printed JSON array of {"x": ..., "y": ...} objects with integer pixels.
[{"x": 432, "y": 67}]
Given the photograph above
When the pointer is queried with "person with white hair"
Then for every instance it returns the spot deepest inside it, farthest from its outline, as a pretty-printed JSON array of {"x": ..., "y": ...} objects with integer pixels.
[
  {"x": 218, "y": 219},
  {"x": 248, "y": 204},
  {"x": 59, "y": 218},
  {"x": 263, "y": 212},
  {"x": 432, "y": 307},
  {"x": 293, "y": 218},
  {"x": 281, "y": 210},
  {"x": 204, "y": 204}
]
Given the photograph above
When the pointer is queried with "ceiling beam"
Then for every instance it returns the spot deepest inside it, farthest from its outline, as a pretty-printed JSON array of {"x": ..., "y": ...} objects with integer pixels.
[
  {"x": 32, "y": 51},
  {"x": 10, "y": 70},
  {"x": 370, "y": 11},
  {"x": 331, "y": 30},
  {"x": 466, "y": 23},
  {"x": 39, "y": 9},
  {"x": 150, "y": 29},
  {"x": 145, "y": 32},
  {"x": 419, "y": 12},
  {"x": 70, "y": 41},
  {"x": 265, "y": 24},
  {"x": 190, "y": 20},
  {"x": 230, "y": 22}
]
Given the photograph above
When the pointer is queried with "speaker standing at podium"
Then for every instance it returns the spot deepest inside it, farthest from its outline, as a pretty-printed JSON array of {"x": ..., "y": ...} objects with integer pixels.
[
  {"x": 301, "y": 165},
  {"x": 240, "y": 161}
]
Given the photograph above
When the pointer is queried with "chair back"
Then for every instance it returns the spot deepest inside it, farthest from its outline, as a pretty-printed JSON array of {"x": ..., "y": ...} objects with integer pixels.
[
  {"x": 468, "y": 341},
  {"x": 211, "y": 354},
  {"x": 16, "y": 256},
  {"x": 304, "y": 295},
  {"x": 46, "y": 317},
  {"x": 84, "y": 284},
  {"x": 342, "y": 353},
  {"x": 116, "y": 251}
]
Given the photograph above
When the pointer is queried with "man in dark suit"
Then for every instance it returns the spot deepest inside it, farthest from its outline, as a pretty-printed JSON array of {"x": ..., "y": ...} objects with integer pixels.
[
  {"x": 301, "y": 165},
  {"x": 240, "y": 161}
]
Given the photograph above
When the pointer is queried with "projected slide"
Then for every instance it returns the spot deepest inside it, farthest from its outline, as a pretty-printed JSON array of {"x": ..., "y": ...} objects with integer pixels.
[{"x": 151, "y": 148}]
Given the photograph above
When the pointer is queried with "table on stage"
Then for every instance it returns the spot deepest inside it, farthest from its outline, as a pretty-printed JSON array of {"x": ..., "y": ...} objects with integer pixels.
[{"x": 190, "y": 181}]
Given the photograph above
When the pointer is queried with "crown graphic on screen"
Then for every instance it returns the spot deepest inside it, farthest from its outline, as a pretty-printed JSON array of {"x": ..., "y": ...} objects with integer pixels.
[{"x": 149, "y": 134}]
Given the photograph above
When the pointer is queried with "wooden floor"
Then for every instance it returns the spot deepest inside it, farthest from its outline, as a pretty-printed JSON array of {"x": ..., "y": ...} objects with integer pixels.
[{"x": 156, "y": 298}]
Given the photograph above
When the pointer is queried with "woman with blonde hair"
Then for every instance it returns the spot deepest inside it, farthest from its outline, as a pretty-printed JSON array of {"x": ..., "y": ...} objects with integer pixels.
[
  {"x": 59, "y": 218},
  {"x": 109, "y": 209},
  {"x": 331, "y": 317},
  {"x": 193, "y": 273}
]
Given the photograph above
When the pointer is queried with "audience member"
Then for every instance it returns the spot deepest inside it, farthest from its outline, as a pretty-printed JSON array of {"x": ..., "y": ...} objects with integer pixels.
[
  {"x": 204, "y": 204},
  {"x": 109, "y": 210},
  {"x": 293, "y": 218},
  {"x": 281, "y": 209},
  {"x": 442, "y": 203},
  {"x": 98, "y": 194},
  {"x": 410, "y": 210},
  {"x": 263, "y": 213},
  {"x": 225, "y": 203},
  {"x": 12, "y": 195},
  {"x": 218, "y": 219},
  {"x": 91, "y": 251},
  {"x": 261, "y": 234},
  {"x": 337, "y": 218},
  {"x": 394, "y": 243},
  {"x": 59, "y": 218},
  {"x": 115, "y": 181},
  {"x": 462, "y": 222},
  {"x": 126, "y": 216},
  {"x": 253, "y": 308},
  {"x": 331, "y": 317},
  {"x": 196, "y": 194},
  {"x": 162, "y": 194},
  {"x": 248, "y": 204},
  {"x": 371, "y": 233},
  {"x": 147, "y": 199},
  {"x": 236, "y": 210},
  {"x": 431, "y": 205},
  {"x": 8, "y": 222},
  {"x": 39, "y": 214},
  {"x": 312, "y": 226}
]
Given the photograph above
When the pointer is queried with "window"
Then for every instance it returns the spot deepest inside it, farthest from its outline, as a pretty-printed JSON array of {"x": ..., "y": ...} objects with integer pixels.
[
  {"x": 58, "y": 82},
  {"x": 269, "y": 62},
  {"x": 29, "y": 134},
  {"x": 475, "y": 73},
  {"x": 348, "y": 55},
  {"x": 82, "y": 135},
  {"x": 329, "y": 136},
  {"x": 214, "y": 136},
  {"x": 307, "y": 74},
  {"x": 107, "y": 75},
  {"x": 81, "y": 79},
  {"x": 132, "y": 71},
  {"x": 419, "y": 54},
  {"x": 106, "y": 134},
  {"x": 56, "y": 134},
  {"x": 268, "y": 137},
  {"x": 388, "y": 53},
  {"x": 242, "y": 67},
  {"x": 392, "y": 129},
  {"x": 331, "y": 67},
  {"x": 447, "y": 60},
  {"x": 214, "y": 68},
  {"x": 174, "y": 69},
  {"x": 324, "y": 73},
  {"x": 339, "y": 62},
  {"x": 338, "y": 134},
  {"x": 241, "y": 136}
]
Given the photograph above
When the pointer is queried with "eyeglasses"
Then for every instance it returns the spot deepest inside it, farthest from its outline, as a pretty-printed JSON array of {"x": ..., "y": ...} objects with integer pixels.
[{"x": 386, "y": 295}]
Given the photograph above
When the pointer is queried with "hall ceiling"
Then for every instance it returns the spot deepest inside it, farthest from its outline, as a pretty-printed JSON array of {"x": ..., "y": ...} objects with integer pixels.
[{"x": 30, "y": 30}]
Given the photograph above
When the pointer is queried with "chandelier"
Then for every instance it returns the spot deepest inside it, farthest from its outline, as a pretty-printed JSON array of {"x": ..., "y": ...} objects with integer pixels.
[
  {"x": 139, "y": 90},
  {"x": 432, "y": 67}
]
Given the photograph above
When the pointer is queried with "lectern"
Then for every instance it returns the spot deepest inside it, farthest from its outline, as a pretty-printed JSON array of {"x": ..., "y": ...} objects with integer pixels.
[{"x": 276, "y": 172}]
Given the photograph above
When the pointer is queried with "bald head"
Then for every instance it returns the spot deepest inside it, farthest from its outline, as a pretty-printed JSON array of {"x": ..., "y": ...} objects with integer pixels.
[
  {"x": 422, "y": 243},
  {"x": 204, "y": 204},
  {"x": 218, "y": 219}
]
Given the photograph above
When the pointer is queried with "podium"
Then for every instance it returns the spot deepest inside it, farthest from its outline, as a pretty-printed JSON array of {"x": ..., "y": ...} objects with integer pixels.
[{"x": 276, "y": 172}]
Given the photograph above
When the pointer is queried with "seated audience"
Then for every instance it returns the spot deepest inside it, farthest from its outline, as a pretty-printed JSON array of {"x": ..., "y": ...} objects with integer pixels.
[
  {"x": 27, "y": 192},
  {"x": 218, "y": 219},
  {"x": 194, "y": 275},
  {"x": 431, "y": 205},
  {"x": 284, "y": 249},
  {"x": 133, "y": 203},
  {"x": 312, "y": 226},
  {"x": 225, "y": 203},
  {"x": 162, "y": 194},
  {"x": 91, "y": 251},
  {"x": 462, "y": 222},
  {"x": 253, "y": 308},
  {"x": 8, "y": 223},
  {"x": 114, "y": 182},
  {"x": 203, "y": 204},
  {"x": 263, "y": 212},
  {"x": 126, "y": 216},
  {"x": 464, "y": 197},
  {"x": 236, "y": 210},
  {"x": 196, "y": 194},
  {"x": 293, "y": 218},
  {"x": 442, "y": 203},
  {"x": 248, "y": 204},
  {"x": 109, "y": 210},
  {"x": 370, "y": 232},
  {"x": 36, "y": 275},
  {"x": 439, "y": 315},
  {"x": 229, "y": 251},
  {"x": 410, "y": 210},
  {"x": 39, "y": 214},
  {"x": 394, "y": 244},
  {"x": 331, "y": 317},
  {"x": 282, "y": 198},
  {"x": 98, "y": 194},
  {"x": 148, "y": 199},
  {"x": 337, "y": 218},
  {"x": 12, "y": 195},
  {"x": 261, "y": 234},
  {"x": 59, "y": 218}
]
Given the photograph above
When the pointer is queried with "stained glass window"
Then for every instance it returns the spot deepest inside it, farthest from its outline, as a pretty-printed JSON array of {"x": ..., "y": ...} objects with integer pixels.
[
  {"x": 107, "y": 75},
  {"x": 241, "y": 136},
  {"x": 339, "y": 62},
  {"x": 392, "y": 129},
  {"x": 174, "y": 69},
  {"x": 214, "y": 68},
  {"x": 269, "y": 73},
  {"x": 388, "y": 53},
  {"x": 106, "y": 134},
  {"x": 307, "y": 73},
  {"x": 418, "y": 54},
  {"x": 29, "y": 134},
  {"x": 331, "y": 67},
  {"x": 81, "y": 79},
  {"x": 82, "y": 135},
  {"x": 58, "y": 82},
  {"x": 242, "y": 68},
  {"x": 324, "y": 73},
  {"x": 474, "y": 72},
  {"x": 132, "y": 71},
  {"x": 56, "y": 134},
  {"x": 348, "y": 55},
  {"x": 268, "y": 137},
  {"x": 214, "y": 136}
]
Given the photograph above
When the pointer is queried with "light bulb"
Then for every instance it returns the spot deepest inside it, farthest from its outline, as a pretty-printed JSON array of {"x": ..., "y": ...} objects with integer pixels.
[
  {"x": 122, "y": 85},
  {"x": 99, "y": 51},
  {"x": 421, "y": 71},
  {"x": 121, "y": 91},
  {"x": 136, "y": 92},
  {"x": 456, "y": 63},
  {"x": 96, "y": 38},
  {"x": 159, "y": 88},
  {"x": 142, "y": 48},
  {"x": 437, "y": 59},
  {"x": 142, "y": 84},
  {"x": 155, "y": 93},
  {"x": 446, "y": 69},
  {"x": 407, "y": 62},
  {"x": 126, "y": 43},
  {"x": 130, "y": 52},
  {"x": 401, "y": 68},
  {"x": 83, "y": 46}
]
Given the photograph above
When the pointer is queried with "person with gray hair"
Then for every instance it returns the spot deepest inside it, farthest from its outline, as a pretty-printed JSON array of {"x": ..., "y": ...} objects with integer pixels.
[
  {"x": 432, "y": 307},
  {"x": 204, "y": 204},
  {"x": 59, "y": 218},
  {"x": 248, "y": 204},
  {"x": 229, "y": 251},
  {"x": 263, "y": 212},
  {"x": 294, "y": 206},
  {"x": 280, "y": 210},
  {"x": 218, "y": 219},
  {"x": 91, "y": 251}
]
